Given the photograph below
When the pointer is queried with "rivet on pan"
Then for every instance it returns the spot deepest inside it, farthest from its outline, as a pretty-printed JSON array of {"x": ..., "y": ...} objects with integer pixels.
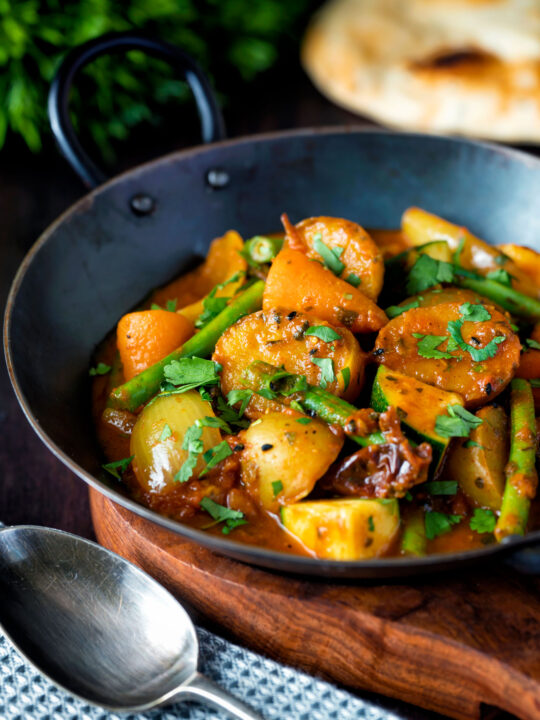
[
  {"x": 217, "y": 178},
  {"x": 142, "y": 204}
]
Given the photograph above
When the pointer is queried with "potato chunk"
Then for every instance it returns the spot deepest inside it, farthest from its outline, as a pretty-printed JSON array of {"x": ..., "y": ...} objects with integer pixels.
[
  {"x": 283, "y": 458},
  {"x": 401, "y": 345},
  {"x": 357, "y": 250},
  {"x": 281, "y": 338},
  {"x": 479, "y": 465}
]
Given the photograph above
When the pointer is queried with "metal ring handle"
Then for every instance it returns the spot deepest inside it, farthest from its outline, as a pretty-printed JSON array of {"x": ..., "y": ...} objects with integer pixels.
[{"x": 212, "y": 125}]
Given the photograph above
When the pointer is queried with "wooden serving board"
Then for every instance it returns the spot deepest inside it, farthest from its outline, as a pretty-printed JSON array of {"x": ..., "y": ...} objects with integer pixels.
[{"x": 452, "y": 644}]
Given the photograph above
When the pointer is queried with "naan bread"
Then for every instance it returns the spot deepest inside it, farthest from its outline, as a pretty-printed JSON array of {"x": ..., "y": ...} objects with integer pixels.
[{"x": 445, "y": 66}]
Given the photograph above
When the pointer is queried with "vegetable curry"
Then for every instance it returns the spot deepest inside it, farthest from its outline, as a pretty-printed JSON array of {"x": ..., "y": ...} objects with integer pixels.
[{"x": 332, "y": 391}]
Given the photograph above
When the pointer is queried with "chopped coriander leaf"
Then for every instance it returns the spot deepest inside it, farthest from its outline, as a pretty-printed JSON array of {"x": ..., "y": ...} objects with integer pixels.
[
  {"x": 472, "y": 444},
  {"x": 303, "y": 420},
  {"x": 240, "y": 396},
  {"x": 346, "y": 375},
  {"x": 118, "y": 467},
  {"x": 354, "y": 280},
  {"x": 214, "y": 305},
  {"x": 165, "y": 433},
  {"x": 220, "y": 513},
  {"x": 191, "y": 372},
  {"x": 501, "y": 276},
  {"x": 329, "y": 256},
  {"x": 171, "y": 305},
  {"x": 215, "y": 422},
  {"x": 441, "y": 487},
  {"x": 477, "y": 354},
  {"x": 427, "y": 272},
  {"x": 267, "y": 393},
  {"x": 408, "y": 496},
  {"x": 277, "y": 487},
  {"x": 474, "y": 313},
  {"x": 438, "y": 523},
  {"x": 478, "y": 368},
  {"x": 394, "y": 310},
  {"x": 533, "y": 344},
  {"x": 483, "y": 521},
  {"x": 205, "y": 394},
  {"x": 371, "y": 524},
  {"x": 427, "y": 347},
  {"x": 323, "y": 332},
  {"x": 229, "y": 415},
  {"x": 215, "y": 455},
  {"x": 458, "y": 423},
  {"x": 326, "y": 366},
  {"x": 194, "y": 445},
  {"x": 155, "y": 306},
  {"x": 100, "y": 369}
]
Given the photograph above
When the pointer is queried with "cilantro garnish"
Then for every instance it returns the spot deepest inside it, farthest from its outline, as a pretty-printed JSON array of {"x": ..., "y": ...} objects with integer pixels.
[
  {"x": 326, "y": 366},
  {"x": 346, "y": 375},
  {"x": 303, "y": 420},
  {"x": 501, "y": 276},
  {"x": 240, "y": 396},
  {"x": 119, "y": 467},
  {"x": 330, "y": 256},
  {"x": 427, "y": 272},
  {"x": 277, "y": 487},
  {"x": 215, "y": 455},
  {"x": 194, "y": 445},
  {"x": 220, "y": 513},
  {"x": 441, "y": 487},
  {"x": 100, "y": 369},
  {"x": 483, "y": 521},
  {"x": 354, "y": 280},
  {"x": 394, "y": 310},
  {"x": 267, "y": 393},
  {"x": 477, "y": 354},
  {"x": 438, "y": 523},
  {"x": 474, "y": 313},
  {"x": 188, "y": 373},
  {"x": 323, "y": 332},
  {"x": 427, "y": 346},
  {"x": 165, "y": 433},
  {"x": 214, "y": 305},
  {"x": 458, "y": 423},
  {"x": 533, "y": 344},
  {"x": 229, "y": 415},
  {"x": 371, "y": 524}
]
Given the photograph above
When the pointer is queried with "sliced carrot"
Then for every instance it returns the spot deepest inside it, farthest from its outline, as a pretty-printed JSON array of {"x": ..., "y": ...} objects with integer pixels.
[
  {"x": 148, "y": 336},
  {"x": 298, "y": 283}
]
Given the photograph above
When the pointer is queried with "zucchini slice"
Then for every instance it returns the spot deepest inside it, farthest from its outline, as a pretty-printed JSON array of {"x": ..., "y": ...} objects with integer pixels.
[
  {"x": 344, "y": 529},
  {"x": 418, "y": 406}
]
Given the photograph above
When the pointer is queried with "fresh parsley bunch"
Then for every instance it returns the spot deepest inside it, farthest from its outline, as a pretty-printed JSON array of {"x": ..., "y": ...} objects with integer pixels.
[{"x": 234, "y": 40}]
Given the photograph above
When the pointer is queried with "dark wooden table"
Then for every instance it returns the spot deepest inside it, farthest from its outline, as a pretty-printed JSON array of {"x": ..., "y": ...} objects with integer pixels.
[{"x": 35, "y": 487}]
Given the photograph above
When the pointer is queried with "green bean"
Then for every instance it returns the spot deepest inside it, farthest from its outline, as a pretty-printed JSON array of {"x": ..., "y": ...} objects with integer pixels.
[
  {"x": 515, "y": 302},
  {"x": 142, "y": 387},
  {"x": 521, "y": 477}
]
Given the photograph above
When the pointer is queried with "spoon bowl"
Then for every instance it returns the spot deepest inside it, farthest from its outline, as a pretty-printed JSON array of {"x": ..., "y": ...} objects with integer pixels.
[{"x": 98, "y": 626}]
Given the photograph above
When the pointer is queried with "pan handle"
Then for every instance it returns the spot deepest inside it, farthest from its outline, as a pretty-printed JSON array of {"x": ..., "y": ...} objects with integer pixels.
[{"x": 212, "y": 125}]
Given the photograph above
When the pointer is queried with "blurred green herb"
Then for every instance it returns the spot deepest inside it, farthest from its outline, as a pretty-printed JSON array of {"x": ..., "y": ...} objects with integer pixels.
[{"x": 234, "y": 41}]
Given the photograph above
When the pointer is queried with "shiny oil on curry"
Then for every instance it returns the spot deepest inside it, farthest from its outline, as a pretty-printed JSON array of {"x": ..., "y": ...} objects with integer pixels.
[{"x": 372, "y": 401}]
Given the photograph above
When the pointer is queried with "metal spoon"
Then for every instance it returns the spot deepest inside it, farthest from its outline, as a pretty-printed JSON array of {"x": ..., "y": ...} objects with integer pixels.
[{"x": 98, "y": 626}]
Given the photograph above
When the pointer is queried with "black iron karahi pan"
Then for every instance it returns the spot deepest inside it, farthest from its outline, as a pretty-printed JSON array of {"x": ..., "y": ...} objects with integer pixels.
[{"x": 140, "y": 229}]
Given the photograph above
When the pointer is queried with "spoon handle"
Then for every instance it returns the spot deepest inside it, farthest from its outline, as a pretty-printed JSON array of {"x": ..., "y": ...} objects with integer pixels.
[{"x": 200, "y": 688}]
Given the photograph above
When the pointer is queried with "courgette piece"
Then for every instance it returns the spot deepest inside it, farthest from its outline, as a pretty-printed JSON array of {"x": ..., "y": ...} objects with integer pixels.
[
  {"x": 344, "y": 529},
  {"x": 418, "y": 406}
]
